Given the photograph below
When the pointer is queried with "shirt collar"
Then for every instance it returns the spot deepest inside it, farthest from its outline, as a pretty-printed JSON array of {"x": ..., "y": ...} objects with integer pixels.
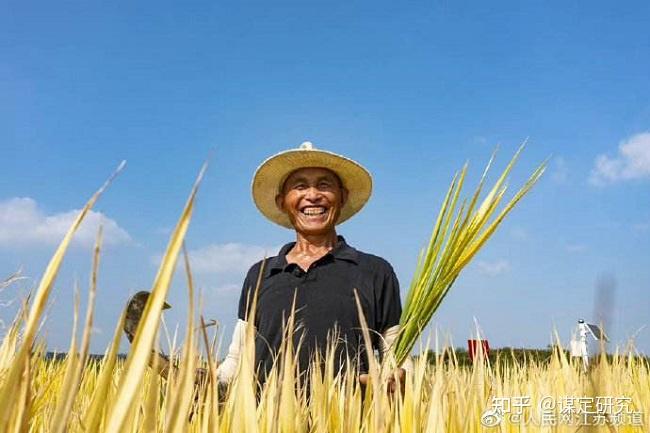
[{"x": 342, "y": 251}]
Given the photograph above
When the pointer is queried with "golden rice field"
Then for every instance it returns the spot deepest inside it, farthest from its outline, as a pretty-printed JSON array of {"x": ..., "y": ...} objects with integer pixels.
[
  {"x": 38, "y": 394},
  {"x": 438, "y": 397}
]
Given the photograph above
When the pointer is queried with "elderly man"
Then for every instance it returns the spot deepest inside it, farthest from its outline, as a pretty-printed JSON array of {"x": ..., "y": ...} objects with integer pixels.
[{"x": 311, "y": 191}]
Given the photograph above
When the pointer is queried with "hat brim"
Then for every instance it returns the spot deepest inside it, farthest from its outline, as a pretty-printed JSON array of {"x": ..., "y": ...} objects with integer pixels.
[{"x": 271, "y": 174}]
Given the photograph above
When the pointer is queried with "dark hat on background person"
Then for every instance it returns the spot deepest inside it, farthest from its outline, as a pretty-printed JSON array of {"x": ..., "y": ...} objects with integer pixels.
[{"x": 134, "y": 309}]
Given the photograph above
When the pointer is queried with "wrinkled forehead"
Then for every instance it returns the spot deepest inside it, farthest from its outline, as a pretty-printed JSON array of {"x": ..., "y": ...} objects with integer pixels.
[{"x": 310, "y": 173}]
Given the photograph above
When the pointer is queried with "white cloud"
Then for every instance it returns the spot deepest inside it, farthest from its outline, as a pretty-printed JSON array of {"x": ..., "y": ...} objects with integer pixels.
[
  {"x": 641, "y": 227},
  {"x": 492, "y": 269},
  {"x": 560, "y": 172},
  {"x": 227, "y": 289},
  {"x": 519, "y": 234},
  {"x": 632, "y": 162},
  {"x": 575, "y": 248},
  {"x": 23, "y": 223},
  {"x": 230, "y": 258},
  {"x": 479, "y": 139}
]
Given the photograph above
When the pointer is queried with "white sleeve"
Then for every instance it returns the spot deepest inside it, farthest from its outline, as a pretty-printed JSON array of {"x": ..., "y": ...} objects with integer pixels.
[
  {"x": 227, "y": 370},
  {"x": 388, "y": 338}
]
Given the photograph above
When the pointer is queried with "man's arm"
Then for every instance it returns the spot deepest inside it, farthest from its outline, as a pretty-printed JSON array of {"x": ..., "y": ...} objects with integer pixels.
[
  {"x": 388, "y": 317},
  {"x": 390, "y": 310},
  {"x": 227, "y": 370},
  {"x": 389, "y": 337}
]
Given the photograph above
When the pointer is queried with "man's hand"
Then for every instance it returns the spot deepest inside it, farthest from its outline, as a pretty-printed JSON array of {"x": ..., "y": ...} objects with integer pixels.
[{"x": 395, "y": 381}]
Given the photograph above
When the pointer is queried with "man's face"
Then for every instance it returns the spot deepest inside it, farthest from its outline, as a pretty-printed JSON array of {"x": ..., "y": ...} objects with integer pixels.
[{"x": 312, "y": 198}]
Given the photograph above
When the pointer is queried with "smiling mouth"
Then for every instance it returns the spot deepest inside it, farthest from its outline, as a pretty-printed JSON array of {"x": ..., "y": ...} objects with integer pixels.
[{"x": 314, "y": 210}]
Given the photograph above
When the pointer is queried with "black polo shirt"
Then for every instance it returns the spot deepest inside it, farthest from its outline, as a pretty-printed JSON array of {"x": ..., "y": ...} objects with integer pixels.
[{"x": 324, "y": 301}]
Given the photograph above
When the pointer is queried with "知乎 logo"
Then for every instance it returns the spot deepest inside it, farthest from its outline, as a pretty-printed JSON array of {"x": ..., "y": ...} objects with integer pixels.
[{"x": 492, "y": 417}]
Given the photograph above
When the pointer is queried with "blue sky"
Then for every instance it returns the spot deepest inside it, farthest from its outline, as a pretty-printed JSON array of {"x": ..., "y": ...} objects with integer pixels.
[{"x": 412, "y": 91}]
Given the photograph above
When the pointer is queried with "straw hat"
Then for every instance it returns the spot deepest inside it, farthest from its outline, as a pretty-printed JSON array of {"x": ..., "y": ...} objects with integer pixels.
[{"x": 271, "y": 174}]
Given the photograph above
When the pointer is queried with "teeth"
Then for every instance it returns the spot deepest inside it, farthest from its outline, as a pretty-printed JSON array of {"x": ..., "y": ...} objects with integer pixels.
[{"x": 314, "y": 211}]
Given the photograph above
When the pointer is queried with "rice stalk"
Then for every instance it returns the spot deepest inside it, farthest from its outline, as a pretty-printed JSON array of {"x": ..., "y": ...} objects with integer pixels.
[
  {"x": 182, "y": 396},
  {"x": 211, "y": 421},
  {"x": 138, "y": 357},
  {"x": 76, "y": 362},
  {"x": 93, "y": 416}
]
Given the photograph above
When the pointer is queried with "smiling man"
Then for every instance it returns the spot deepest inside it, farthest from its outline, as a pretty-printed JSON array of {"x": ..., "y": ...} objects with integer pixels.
[{"x": 311, "y": 191}]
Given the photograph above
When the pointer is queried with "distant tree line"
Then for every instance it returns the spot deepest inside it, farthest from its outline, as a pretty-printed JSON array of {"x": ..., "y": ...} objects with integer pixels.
[{"x": 507, "y": 356}]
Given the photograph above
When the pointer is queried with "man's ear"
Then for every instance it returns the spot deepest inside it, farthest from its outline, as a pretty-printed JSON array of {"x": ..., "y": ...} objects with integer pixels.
[{"x": 279, "y": 202}]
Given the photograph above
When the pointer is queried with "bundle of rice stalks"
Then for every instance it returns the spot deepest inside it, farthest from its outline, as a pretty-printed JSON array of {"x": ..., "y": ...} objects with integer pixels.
[{"x": 460, "y": 231}]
